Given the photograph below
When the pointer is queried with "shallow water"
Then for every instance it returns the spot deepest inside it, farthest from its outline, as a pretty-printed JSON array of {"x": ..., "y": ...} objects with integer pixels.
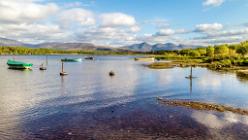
[{"x": 88, "y": 104}]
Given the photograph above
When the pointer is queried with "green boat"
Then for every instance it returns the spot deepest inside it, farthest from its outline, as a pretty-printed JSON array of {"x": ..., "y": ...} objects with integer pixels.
[
  {"x": 18, "y": 65},
  {"x": 71, "y": 60}
]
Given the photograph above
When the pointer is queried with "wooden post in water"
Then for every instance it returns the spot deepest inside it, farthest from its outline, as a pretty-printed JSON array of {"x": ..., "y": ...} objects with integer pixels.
[
  {"x": 62, "y": 73},
  {"x": 62, "y": 67}
]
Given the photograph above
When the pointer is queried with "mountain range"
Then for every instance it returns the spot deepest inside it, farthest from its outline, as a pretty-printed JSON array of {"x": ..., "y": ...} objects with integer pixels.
[
  {"x": 145, "y": 47},
  {"x": 54, "y": 45},
  {"x": 141, "y": 47}
]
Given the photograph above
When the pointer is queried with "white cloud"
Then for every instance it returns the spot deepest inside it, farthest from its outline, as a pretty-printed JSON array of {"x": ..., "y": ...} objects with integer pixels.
[
  {"x": 25, "y": 11},
  {"x": 213, "y": 2},
  {"x": 224, "y": 36},
  {"x": 202, "y": 35},
  {"x": 236, "y": 32},
  {"x": 166, "y": 32},
  {"x": 159, "y": 23},
  {"x": 115, "y": 36},
  {"x": 208, "y": 27},
  {"x": 117, "y": 19},
  {"x": 135, "y": 28},
  {"x": 34, "y": 21},
  {"x": 42, "y": 32},
  {"x": 169, "y": 32},
  {"x": 76, "y": 15}
]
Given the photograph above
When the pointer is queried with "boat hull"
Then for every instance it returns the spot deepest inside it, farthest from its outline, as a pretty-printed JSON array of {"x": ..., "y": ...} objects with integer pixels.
[
  {"x": 71, "y": 60},
  {"x": 43, "y": 68},
  {"x": 19, "y": 67},
  {"x": 89, "y": 58},
  {"x": 63, "y": 73}
]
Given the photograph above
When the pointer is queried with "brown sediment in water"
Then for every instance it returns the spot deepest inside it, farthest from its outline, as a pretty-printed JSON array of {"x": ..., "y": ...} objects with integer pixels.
[
  {"x": 172, "y": 64},
  {"x": 161, "y": 65},
  {"x": 203, "y": 106},
  {"x": 242, "y": 73}
]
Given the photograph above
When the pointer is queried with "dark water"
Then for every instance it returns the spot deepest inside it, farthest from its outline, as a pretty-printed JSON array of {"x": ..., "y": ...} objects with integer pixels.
[{"x": 88, "y": 104}]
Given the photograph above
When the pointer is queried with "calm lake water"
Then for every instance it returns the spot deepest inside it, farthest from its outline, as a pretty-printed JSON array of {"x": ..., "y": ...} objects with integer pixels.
[{"x": 88, "y": 104}]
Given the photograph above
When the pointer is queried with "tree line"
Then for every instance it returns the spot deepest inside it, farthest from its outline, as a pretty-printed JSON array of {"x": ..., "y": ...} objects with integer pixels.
[
  {"x": 226, "y": 53},
  {"x": 12, "y": 50}
]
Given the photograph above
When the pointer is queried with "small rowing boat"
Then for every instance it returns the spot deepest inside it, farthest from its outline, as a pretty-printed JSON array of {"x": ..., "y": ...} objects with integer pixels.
[
  {"x": 18, "y": 65},
  {"x": 89, "y": 58},
  {"x": 42, "y": 67}
]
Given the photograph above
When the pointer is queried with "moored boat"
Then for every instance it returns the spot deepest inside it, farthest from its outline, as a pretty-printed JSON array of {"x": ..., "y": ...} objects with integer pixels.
[
  {"x": 89, "y": 58},
  {"x": 145, "y": 59},
  {"x": 42, "y": 67},
  {"x": 18, "y": 65},
  {"x": 71, "y": 60}
]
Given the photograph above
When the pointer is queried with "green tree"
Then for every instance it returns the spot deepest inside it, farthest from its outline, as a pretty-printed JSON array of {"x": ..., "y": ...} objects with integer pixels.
[
  {"x": 194, "y": 53},
  {"x": 210, "y": 51},
  {"x": 243, "y": 50},
  {"x": 202, "y": 51},
  {"x": 221, "y": 51}
]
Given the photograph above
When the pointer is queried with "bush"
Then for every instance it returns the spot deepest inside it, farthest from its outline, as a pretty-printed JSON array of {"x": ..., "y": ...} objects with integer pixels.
[
  {"x": 207, "y": 59},
  {"x": 226, "y": 63},
  {"x": 243, "y": 62}
]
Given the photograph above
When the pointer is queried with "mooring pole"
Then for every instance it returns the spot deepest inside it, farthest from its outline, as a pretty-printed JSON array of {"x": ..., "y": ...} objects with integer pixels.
[
  {"x": 62, "y": 66},
  {"x": 191, "y": 75}
]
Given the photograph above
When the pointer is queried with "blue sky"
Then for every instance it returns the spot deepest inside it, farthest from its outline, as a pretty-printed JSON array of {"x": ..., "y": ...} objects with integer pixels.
[{"x": 124, "y": 22}]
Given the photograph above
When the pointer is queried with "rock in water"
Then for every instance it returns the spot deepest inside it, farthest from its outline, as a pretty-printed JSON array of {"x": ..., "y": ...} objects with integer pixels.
[{"x": 111, "y": 73}]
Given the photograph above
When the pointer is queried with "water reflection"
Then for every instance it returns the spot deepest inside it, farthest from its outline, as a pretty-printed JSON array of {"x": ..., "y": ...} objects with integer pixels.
[
  {"x": 208, "y": 81},
  {"x": 242, "y": 79},
  {"x": 219, "y": 120},
  {"x": 190, "y": 85},
  {"x": 40, "y": 99},
  {"x": 63, "y": 87}
]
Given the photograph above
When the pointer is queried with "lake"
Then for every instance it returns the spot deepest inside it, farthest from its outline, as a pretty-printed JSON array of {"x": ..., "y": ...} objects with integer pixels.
[{"x": 89, "y": 104}]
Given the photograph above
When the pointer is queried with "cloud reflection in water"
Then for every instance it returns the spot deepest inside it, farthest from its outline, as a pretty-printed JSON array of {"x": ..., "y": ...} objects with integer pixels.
[{"x": 219, "y": 121}]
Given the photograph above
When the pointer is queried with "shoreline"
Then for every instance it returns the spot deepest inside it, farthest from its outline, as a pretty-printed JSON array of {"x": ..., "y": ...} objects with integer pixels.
[
  {"x": 199, "y": 105},
  {"x": 241, "y": 71}
]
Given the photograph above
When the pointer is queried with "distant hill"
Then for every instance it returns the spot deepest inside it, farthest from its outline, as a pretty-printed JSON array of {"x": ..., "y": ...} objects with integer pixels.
[
  {"x": 145, "y": 47},
  {"x": 142, "y": 47},
  {"x": 54, "y": 45},
  {"x": 66, "y": 46},
  {"x": 10, "y": 42}
]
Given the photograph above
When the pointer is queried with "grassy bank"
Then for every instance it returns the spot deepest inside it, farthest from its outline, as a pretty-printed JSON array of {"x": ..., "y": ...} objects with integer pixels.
[{"x": 222, "y": 57}]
